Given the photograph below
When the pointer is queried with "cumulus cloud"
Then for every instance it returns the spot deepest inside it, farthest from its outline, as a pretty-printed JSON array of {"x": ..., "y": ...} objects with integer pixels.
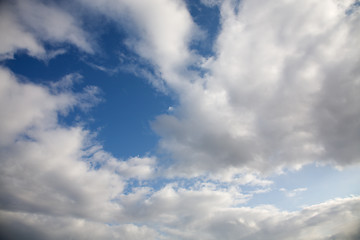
[
  {"x": 281, "y": 92},
  {"x": 57, "y": 177},
  {"x": 42, "y": 168},
  {"x": 54, "y": 186}
]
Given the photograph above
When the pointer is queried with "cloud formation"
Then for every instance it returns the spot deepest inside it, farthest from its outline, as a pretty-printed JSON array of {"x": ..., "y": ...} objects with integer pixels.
[
  {"x": 282, "y": 91},
  {"x": 336, "y": 219}
]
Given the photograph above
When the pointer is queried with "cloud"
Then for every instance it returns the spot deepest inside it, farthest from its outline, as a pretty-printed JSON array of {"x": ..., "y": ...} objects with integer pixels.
[
  {"x": 33, "y": 103},
  {"x": 57, "y": 184},
  {"x": 34, "y": 226},
  {"x": 53, "y": 171},
  {"x": 184, "y": 214},
  {"x": 159, "y": 32},
  {"x": 16, "y": 37},
  {"x": 211, "y": 3},
  {"x": 28, "y": 24},
  {"x": 53, "y": 24},
  {"x": 53, "y": 178},
  {"x": 294, "y": 192},
  {"x": 280, "y": 93},
  {"x": 140, "y": 168},
  {"x": 43, "y": 166},
  {"x": 322, "y": 221}
]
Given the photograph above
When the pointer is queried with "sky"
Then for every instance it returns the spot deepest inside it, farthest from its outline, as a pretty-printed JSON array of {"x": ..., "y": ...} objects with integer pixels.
[{"x": 180, "y": 119}]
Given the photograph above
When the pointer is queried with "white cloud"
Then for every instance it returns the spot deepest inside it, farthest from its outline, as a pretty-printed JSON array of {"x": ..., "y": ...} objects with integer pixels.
[
  {"x": 34, "y": 104},
  {"x": 54, "y": 186},
  {"x": 16, "y": 37},
  {"x": 52, "y": 24},
  {"x": 294, "y": 192},
  {"x": 135, "y": 167},
  {"x": 160, "y": 32},
  {"x": 255, "y": 111},
  {"x": 281, "y": 92},
  {"x": 57, "y": 172},
  {"x": 28, "y": 24},
  {"x": 42, "y": 162},
  {"x": 267, "y": 101}
]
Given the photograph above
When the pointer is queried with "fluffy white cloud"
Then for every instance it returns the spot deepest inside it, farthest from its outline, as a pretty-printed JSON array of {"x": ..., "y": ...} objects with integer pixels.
[
  {"x": 28, "y": 24},
  {"x": 43, "y": 165},
  {"x": 281, "y": 92},
  {"x": 266, "y": 102},
  {"x": 133, "y": 168},
  {"x": 56, "y": 177}
]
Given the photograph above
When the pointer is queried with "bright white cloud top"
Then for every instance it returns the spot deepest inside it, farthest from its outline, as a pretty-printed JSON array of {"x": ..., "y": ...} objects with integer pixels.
[{"x": 261, "y": 140}]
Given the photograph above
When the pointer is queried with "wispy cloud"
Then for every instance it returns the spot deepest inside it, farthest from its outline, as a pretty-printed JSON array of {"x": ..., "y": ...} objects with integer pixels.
[{"x": 293, "y": 192}]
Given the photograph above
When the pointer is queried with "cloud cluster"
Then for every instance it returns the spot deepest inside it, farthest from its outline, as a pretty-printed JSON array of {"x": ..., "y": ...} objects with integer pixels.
[
  {"x": 336, "y": 219},
  {"x": 57, "y": 177},
  {"x": 56, "y": 185},
  {"x": 282, "y": 91},
  {"x": 43, "y": 163}
]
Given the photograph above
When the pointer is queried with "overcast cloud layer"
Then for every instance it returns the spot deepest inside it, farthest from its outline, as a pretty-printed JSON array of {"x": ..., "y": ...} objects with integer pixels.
[{"x": 281, "y": 91}]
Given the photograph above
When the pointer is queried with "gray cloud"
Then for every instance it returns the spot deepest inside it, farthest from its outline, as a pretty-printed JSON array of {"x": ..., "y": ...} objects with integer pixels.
[
  {"x": 17, "y": 225},
  {"x": 336, "y": 219}
]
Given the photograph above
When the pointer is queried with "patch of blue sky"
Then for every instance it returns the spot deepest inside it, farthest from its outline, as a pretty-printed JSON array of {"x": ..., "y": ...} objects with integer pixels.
[
  {"x": 353, "y": 7},
  {"x": 208, "y": 19},
  {"x": 131, "y": 102},
  {"x": 311, "y": 185},
  {"x": 122, "y": 119}
]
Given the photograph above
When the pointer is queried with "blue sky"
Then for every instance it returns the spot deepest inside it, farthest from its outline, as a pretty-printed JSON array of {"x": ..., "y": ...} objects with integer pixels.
[{"x": 172, "y": 119}]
